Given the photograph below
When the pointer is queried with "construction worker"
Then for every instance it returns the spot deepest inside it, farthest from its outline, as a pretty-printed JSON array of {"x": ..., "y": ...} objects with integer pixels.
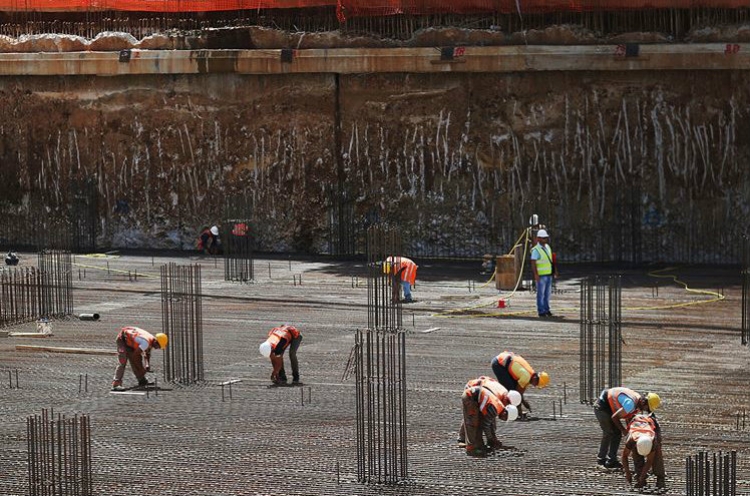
[
  {"x": 209, "y": 242},
  {"x": 515, "y": 374},
  {"x": 279, "y": 339},
  {"x": 481, "y": 407},
  {"x": 134, "y": 345},
  {"x": 505, "y": 396},
  {"x": 644, "y": 442},
  {"x": 544, "y": 270},
  {"x": 616, "y": 404},
  {"x": 405, "y": 270}
]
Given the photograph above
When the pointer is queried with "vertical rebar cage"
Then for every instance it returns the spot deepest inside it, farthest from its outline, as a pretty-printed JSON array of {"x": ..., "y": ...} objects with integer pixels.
[
  {"x": 380, "y": 370},
  {"x": 182, "y": 321},
  {"x": 56, "y": 267},
  {"x": 59, "y": 455},
  {"x": 84, "y": 215},
  {"x": 237, "y": 240},
  {"x": 600, "y": 336},
  {"x": 711, "y": 474}
]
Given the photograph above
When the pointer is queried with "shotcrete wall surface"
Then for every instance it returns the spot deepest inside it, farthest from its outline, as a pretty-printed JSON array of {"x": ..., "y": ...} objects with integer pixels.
[{"x": 459, "y": 160}]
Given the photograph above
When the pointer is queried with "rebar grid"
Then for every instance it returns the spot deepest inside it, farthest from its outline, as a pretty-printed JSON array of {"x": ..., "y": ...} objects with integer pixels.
[
  {"x": 237, "y": 241},
  {"x": 182, "y": 321},
  {"x": 56, "y": 266},
  {"x": 380, "y": 369},
  {"x": 59, "y": 455},
  {"x": 711, "y": 474},
  {"x": 600, "y": 363}
]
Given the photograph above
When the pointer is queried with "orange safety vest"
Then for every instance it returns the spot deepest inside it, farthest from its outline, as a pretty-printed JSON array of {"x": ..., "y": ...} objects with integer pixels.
[
  {"x": 410, "y": 268},
  {"x": 485, "y": 398},
  {"x": 282, "y": 332},
  {"x": 130, "y": 333},
  {"x": 614, "y": 403},
  {"x": 491, "y": 384},
  {"x": 640, "y": 425},
  {"x": 507, "y": 358}
]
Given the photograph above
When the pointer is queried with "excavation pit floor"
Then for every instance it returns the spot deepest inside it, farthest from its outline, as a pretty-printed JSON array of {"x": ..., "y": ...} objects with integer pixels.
[{"x": 197, "y": 440}]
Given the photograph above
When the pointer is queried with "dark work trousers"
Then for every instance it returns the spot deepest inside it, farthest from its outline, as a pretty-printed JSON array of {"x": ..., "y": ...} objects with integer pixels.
[
  {"x": 611, "y": 435},
  {"x": 126, "y": 354},
  {"x": 503, "y": 376},
  {"x": 658, "y": 465},
  {"x": 293, "y": 359}
]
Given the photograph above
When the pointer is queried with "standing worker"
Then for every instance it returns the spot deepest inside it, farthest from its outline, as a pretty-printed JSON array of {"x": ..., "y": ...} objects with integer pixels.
[
  {"x": 505, "y": 396},
  {"x": 279, "y": 339},
  {"x": 644, "y": 442},
  {"x": 515, "y": 374},
  {"x": 134, "y": 345},
  {"x": 616, "y": 404},
  {"x": 481, "y": 407},
  {"x": 544, "y": 270},
  {"x": 405, "y": 270}
]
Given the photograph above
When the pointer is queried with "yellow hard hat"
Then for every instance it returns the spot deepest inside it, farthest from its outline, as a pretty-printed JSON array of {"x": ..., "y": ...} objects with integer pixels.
[
  {"x": 543, "y": 379},
  {"x": 162, "y": 339},
  {"x": 653, "y": 401}
]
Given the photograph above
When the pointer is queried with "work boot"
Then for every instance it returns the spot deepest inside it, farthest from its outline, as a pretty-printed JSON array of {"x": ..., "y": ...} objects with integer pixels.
[
  {"x": 142, "y": 382},
  {"x": 117, "y": 386},
  {"x": 613, "y": 464},
  {"x": 295, "y": 379},
  {"x": 478, "y": 452}
]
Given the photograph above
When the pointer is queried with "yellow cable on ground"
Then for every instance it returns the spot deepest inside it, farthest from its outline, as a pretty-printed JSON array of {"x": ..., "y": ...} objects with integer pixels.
[{"x": 655, "y": 273}]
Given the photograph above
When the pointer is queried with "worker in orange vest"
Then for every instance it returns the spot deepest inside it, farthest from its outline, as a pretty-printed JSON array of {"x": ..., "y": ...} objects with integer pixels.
[
  {"x": 644, "y": 442},
  {"x": 481, "y": 407},
  {"x": 279, "y": 339},
  {"x": 209, "y": 241},
  {"x": 404, "y": 270},
  {"x": 515, "y": 374},
  {"x": 616, "y": 404},
  {"x": 507, "y": 398},
  {"x": 134, "y": 345}
]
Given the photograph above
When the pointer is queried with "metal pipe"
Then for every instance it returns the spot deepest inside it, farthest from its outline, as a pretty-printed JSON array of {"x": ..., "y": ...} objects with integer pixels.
[{"x": 88, "y": 316}]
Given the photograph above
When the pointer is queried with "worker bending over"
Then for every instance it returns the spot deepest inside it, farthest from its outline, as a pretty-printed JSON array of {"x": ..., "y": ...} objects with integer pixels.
[
  {"x": 616, "y": 404},
  {"x": 403, "y": 270},
  {"x": 279, "y": 339},
  {"x": 134, "y": 345},
  {"x": 481, "y": 407},
  {"x": 515, "y": 374},
  {"x": 644, "y": 442},
  {"x": 505, "y": 396}
]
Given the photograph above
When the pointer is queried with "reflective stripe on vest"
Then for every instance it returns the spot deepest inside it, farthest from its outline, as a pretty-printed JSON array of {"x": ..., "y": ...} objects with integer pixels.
[
  {"x": 130, "y": 333},
  {"x": 485, "y": 398},
  {"x": 544, "y": 262},
  {"x": 507, "y": 359},
  {"x": 491, "y": 384},
  {"x": 614, "y": 403},
  {"x": 282, "y": 332}
]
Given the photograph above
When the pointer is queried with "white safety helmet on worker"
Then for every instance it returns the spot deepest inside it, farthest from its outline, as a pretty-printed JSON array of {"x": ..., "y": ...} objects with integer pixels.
[
  {"x": 644, "y": 445},
  {"x": 265, "y": 349},
  {"x": 542, "y": 233},
  {"x": 514, "y": 397},
  {"x": 214, "y": 230},
  {"x": 512, "y": 413}
]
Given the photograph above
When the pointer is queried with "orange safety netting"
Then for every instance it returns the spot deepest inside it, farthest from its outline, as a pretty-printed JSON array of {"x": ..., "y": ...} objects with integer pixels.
[{"x": 368, "y": 8}]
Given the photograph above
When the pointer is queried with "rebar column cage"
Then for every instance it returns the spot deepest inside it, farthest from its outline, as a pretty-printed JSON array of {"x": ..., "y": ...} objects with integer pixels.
[
  {"x": 59, "y": 455},
  {"x": 84, "y": 215},
  {"x": 745, "y": 274},
  {"x": 380, "y": 370},
  {"x": 182, "y": 321},
  {"x": 237, "y": 241},
  {"x": 711, "y": 474},
  {"x": 600, "y": 336},
  {"x": 56, "y": 267},
  {"x": 21, "y": 295},
  {"x": 344, "y": 230}
]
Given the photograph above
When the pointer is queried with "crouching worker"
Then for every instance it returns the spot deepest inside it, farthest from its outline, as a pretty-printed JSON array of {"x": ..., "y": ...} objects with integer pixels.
[
  {"x": 279, "y": 339},
  {"x": 134, "y": 345},
  {"x": 644, "y": 443},
  {"x": 505, "y": 396},
  {"x": 481, "y": 407}
]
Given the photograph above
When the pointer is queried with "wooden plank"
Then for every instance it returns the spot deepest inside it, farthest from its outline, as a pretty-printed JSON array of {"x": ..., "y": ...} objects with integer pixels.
[
  {"x": 133, "y": 393},
  {"x": 233, "y": 381},
  {"x": 54, "y": 349},
  {"x": 30, "y": 334},
  {"x": 432, "y": 329}
]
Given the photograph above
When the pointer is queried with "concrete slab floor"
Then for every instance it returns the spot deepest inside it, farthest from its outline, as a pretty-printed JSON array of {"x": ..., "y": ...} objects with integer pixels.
[{"x": 265, "y": 441}]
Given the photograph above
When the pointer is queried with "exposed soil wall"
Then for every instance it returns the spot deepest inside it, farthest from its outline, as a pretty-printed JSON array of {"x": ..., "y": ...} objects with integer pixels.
[{"x": 460, "y": 161}]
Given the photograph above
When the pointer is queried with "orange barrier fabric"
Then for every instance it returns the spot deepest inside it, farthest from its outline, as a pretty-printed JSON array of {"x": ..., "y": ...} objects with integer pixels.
[{"x": 367, "y": 8}]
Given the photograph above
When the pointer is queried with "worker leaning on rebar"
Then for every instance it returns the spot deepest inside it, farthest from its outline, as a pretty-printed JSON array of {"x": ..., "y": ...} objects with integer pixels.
[
  {"x": 644, "y": 443},
  {"x": 613, "y": 406},
  {"x": 134, "y": 345},
  {"x": 481, "y": 406},
  {"x": 279, "y": 339},
  {"x": 515, "y": 374}
]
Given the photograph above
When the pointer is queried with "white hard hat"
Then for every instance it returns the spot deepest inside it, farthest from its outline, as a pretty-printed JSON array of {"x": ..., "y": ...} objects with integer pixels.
[
  {"x": 644, "y": 445},
  {"x": 265, "y": 349},
  {"x": 512, "y": 413},
  {"x": 514, "y": 397},
  {"x": 542, "y": 233},
  {"x": 215, "y": 231}
]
